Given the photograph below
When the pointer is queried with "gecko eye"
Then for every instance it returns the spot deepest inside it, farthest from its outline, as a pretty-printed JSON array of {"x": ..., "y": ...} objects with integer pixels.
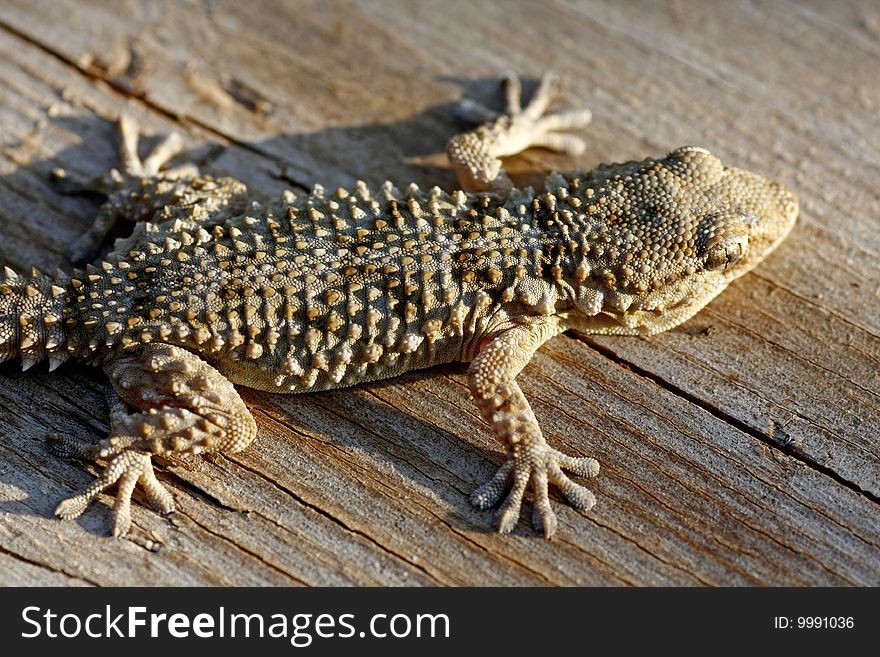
[{"x": 724, "y": 254}]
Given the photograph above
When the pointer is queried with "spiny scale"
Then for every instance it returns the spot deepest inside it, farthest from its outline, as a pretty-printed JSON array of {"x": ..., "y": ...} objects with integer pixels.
[
  {"x": 334, "y": 288},
  {"x": 318, "y": 291},
  {"x": 31, "y": 310}
]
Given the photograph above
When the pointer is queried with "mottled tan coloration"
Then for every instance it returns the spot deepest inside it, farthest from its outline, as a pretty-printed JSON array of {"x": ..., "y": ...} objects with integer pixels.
[{"x": 331, "y": 289}]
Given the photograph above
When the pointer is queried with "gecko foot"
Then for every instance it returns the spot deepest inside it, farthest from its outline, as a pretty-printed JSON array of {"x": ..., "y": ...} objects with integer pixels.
[
  {"x": 126, "y": 469},
  {"x": 476, "y": 155},
  {"x": 519, "y": 128},
  {"x": 539, "y": 466},
  {"x": 155, "y": 162},
  {"x": 128, "y": 195},
  {"x": 132, "y": 164}
]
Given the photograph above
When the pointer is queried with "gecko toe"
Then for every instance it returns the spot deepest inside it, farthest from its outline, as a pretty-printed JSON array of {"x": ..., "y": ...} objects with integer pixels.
[
  {"x": 582, "y": 466},
  {"x": 72, "y": 507},
  {"x": 490, "y": 493},
  {"x": 543, "y": 518},
  {"x": 577, "y": 496},
  {"x": 67, "y": 446},
  {"x": 508, "y": 514}
]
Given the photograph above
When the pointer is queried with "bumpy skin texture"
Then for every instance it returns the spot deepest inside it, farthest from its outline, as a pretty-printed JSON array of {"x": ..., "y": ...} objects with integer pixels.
[{"x": 327, "y": 290}]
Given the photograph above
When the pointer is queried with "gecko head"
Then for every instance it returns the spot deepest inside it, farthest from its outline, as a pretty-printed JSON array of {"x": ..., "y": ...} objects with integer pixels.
[
  {"x": 738, "y": 217},
  {"x": 673, "y": 234}
]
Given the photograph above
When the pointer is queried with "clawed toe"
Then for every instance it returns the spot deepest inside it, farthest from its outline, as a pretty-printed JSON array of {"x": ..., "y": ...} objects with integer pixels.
[
  {"x": 547, "y": 91},
  {"x": 582, "y": 466},
  {"x": 489, "y": 494},
  {"x": 67, "y": 446},
  {"x": 70, "y": 184},
  {"x": 567, "y": 144},
  {"x": 512, "y": 94}
]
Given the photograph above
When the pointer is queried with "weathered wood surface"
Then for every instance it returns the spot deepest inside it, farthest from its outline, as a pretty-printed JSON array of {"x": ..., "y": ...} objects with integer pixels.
[{"x": 740, "y": 448}]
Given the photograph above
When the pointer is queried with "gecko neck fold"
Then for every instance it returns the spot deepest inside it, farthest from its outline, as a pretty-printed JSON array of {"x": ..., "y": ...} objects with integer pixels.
[{"x": 31, "y": 318}]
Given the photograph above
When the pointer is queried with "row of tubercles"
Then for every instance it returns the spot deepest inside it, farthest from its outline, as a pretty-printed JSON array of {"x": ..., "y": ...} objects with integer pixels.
[{"x": 31, "y": 318}]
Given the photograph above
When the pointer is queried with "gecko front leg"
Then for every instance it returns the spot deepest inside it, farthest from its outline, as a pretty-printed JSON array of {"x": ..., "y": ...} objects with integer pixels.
[
  {"x": 186, "y": 406},
  {"x": 531, "y": 460}
]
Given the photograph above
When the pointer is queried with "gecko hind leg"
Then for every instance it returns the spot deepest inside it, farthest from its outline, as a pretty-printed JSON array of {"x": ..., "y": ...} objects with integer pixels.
[
  {"x": 182, "y": 406},
  {"x": 476, "y": 155},
  {"x": 124, "y": 188},
  {"x": 140, "y": 189},
  {"x": 125, "y": 468}
]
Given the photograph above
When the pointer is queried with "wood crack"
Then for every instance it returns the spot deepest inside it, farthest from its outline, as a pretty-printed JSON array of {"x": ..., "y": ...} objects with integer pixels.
[
  {"x": 729, "y": 419},
  {"x": 47, "y": 567}
]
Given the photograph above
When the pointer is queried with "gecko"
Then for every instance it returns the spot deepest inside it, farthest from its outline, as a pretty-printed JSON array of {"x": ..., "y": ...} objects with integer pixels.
[{"x": 324, "y": 290}]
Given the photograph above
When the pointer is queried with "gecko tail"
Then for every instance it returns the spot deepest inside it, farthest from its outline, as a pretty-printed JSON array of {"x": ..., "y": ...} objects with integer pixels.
[{"x": 31, "y": 318}]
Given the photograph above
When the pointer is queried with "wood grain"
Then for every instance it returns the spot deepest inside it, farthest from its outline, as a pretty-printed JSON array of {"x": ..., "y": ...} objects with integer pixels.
[{"x": 739, "y": 449}]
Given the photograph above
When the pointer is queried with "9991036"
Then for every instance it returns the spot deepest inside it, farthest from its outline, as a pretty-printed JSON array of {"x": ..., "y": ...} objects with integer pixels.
[{"x": 814, "y": 623}]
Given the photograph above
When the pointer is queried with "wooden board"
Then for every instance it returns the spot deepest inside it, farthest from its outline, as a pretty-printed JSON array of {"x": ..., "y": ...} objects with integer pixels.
[{"x": 738, "y": 449}]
